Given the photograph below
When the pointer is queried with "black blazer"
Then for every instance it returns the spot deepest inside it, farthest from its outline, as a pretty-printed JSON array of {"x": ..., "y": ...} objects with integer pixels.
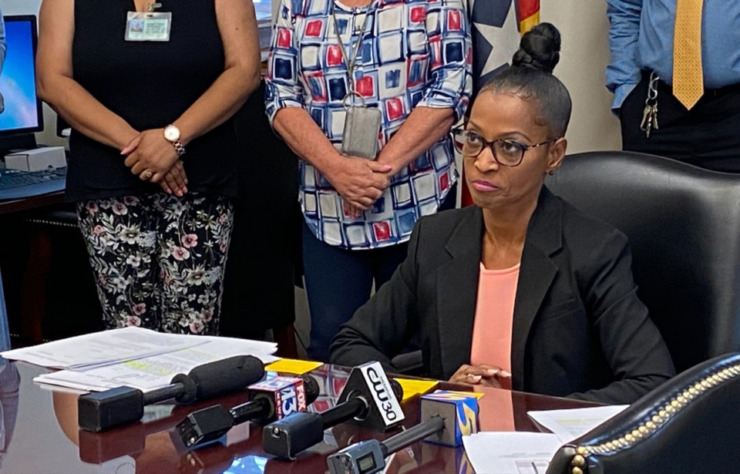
[{"x": 579, "y": 328}]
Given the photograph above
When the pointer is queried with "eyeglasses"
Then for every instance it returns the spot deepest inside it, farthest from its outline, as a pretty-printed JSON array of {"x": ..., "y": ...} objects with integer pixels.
[{"x": 506, "y": 152}]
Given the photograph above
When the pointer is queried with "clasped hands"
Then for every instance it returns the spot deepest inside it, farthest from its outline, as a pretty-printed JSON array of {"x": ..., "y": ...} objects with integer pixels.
[
  {"x": 359, "y": 181},
  {"x": 154, "y": 159}
]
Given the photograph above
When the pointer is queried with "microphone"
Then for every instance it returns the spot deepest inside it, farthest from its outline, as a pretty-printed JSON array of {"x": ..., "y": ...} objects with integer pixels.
[
  {"x": 271, "y": 400},
  {"x": 368, "y": 399},
  {"x": 446, "y": 418},
  {"x": 102, "y": 410}
]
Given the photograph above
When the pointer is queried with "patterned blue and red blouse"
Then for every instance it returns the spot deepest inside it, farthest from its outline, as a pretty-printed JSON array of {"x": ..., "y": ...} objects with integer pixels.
[{"x": 413, "y": 53}]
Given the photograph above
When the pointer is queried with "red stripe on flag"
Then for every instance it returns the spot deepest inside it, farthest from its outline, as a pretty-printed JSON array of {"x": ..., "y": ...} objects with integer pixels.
[{"x": 526, "y": 8}]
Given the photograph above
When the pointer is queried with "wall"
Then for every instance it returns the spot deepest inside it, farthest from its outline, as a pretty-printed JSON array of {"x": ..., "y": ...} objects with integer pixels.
[{"x": 585, "y": 54}]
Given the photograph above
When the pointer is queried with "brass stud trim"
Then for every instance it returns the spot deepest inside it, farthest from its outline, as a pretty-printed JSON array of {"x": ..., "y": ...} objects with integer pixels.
[{"x": 654, "y": 420}]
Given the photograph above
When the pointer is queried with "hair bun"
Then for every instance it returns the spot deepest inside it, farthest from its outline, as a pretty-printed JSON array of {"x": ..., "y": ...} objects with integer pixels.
[{"x": 539, "y": 48}]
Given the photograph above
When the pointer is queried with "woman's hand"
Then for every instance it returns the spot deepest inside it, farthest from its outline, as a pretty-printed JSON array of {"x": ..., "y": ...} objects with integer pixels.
[
  {"x": 360, "y": 182},
  {"x": 483, "y": 374},
  {"x": 153, "y": 156},
  {"x": 131, "y": 145},
  {"x": 175, "y": 182}
]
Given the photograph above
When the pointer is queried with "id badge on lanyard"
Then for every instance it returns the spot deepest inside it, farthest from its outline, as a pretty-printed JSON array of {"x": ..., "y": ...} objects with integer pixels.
[
  {"x": 362, "y": 124},
  {"x": 148, "y": 26}
]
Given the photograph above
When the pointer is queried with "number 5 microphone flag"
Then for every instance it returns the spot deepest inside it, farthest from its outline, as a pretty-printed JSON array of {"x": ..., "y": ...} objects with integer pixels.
[{"x": 496, "y": 29}]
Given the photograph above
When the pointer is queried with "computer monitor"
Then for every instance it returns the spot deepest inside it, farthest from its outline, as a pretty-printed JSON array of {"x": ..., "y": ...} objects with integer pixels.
[{"x": 22, "y": 115}]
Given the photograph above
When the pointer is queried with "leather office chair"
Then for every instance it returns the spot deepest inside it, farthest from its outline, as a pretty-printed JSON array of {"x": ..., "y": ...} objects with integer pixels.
[
  {"x": 689, "y": 424},
  {"x": 683, "y": 224}
]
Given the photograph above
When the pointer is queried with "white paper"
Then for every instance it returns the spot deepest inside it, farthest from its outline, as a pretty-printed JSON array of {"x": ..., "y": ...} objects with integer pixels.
[
  {"x": 102, "y": 348},
  {"x": 510, "y": 452},
  {"x": 573, "y": 423},
  {"x": 156, "y": 371}
]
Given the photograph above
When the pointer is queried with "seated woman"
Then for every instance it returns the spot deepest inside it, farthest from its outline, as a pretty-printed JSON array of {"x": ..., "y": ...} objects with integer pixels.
[{"x": 520, "y": 290}]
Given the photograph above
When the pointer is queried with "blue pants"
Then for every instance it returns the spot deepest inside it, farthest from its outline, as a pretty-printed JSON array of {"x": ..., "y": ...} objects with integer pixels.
[{"x": 339, "y": 281}]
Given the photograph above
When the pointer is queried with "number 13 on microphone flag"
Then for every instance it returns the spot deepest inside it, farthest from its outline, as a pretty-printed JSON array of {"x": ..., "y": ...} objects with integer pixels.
[{"x": 497, "y": 26}]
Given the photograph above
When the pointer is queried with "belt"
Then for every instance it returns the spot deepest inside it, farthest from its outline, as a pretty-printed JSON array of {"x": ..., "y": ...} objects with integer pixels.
[{"x": 720, "y": 91}]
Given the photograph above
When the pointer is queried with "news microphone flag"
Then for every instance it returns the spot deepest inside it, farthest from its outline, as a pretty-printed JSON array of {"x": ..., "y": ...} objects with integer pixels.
[
  {"x": 369, "y": 399},
  {"x": 286, "y": 394},
  {"x": 370, "y": 378},
  {"x": 497, "y": 26},
  {"x": 457, "y": 406},
  {"x": 445, "y": 418}
]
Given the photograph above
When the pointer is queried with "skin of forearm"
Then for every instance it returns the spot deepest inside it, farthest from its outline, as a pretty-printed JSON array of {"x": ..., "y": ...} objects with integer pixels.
[
  {"x": 423, "y": 127},
  {"x": 305, "y": 138},
  {"x": 224, "y": 98},
  {"x": 84, "y": 113}
]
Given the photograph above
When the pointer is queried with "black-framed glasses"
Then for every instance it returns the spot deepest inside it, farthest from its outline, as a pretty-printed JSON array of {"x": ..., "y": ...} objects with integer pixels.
[{"x": 505, "y": 151}]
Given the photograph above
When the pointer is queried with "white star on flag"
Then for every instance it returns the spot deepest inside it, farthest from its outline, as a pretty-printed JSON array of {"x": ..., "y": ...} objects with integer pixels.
[{"x": 495, "y": 36}]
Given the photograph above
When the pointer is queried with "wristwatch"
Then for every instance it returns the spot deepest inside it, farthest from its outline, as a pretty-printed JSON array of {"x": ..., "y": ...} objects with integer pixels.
[{"x": 172, "y": 135}]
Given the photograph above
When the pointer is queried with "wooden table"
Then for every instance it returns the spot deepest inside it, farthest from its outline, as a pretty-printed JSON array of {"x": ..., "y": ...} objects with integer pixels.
[
  {"x": 45, "y": 438},
  {"x": 32, "y": 202}
]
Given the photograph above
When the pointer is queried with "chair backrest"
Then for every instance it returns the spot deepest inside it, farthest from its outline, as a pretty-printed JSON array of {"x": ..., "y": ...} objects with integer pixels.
[
  {"x": 683, "y": 224},
  {"x": 689, "y": 424}
]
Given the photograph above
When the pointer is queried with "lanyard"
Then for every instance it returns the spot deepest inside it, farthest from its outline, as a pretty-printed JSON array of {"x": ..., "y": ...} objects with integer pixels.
[{"x": 350, "y": 62}]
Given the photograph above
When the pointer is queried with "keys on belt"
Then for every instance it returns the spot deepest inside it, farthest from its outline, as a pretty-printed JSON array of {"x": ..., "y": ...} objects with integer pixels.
[{"x": 650, "y": 112}]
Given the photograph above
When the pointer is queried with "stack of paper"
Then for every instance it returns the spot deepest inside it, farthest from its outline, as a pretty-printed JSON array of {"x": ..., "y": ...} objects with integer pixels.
[
  {"x": 510, "y": 452},
  {"x": 571, "y": 424},
  {"x": 133, "y": 357}
]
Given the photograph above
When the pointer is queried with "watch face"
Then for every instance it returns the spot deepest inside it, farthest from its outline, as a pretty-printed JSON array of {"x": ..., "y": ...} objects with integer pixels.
[{"x": 171, "y": 133}]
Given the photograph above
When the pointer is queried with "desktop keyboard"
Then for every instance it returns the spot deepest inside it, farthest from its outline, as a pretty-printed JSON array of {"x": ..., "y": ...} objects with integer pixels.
[{"x": 16, "y": 184}]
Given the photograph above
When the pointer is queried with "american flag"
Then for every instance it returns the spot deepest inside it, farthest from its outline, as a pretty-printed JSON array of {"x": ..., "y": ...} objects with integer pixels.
[{"x": 497, "y": 26}]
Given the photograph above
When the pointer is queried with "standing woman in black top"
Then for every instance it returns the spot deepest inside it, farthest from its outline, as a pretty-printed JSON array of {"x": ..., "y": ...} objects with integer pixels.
[{"x": 153, "y": 148}]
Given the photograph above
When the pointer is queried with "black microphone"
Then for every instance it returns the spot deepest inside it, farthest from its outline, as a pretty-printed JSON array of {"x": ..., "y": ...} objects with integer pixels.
[
  {"x": 446, "y": 418},
  {"x": 368, "y": 399},
  {"x": 102, "y": 410},
  {"x": 271, "y": 400}
]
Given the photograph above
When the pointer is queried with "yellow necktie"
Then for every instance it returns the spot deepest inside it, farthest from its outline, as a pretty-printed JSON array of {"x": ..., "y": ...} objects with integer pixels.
[{"x": 688, "y": 78}]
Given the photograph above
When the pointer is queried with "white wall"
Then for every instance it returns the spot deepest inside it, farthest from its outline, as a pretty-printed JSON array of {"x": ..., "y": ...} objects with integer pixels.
[{"x": 585, "y": 54}]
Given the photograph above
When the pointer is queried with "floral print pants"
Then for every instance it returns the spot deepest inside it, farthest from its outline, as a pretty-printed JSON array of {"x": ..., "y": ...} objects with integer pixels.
[{"x": 159, "y": 260}]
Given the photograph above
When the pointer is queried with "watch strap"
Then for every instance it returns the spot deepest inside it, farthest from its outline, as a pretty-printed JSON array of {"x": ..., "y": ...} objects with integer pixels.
[{"x": 179, "y": 148}]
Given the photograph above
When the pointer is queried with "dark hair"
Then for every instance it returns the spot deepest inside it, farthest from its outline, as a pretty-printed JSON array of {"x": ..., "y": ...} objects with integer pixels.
[{"x": 530, "y": 77}]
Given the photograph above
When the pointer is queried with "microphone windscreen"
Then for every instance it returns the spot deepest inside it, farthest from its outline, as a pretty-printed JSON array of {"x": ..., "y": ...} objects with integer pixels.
[
  {"x": 311, "y": 387},
  {"x": 189, "y": 391},
  {"x": 226, "y": 375},
  {"x": 397, "y": 389}
]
